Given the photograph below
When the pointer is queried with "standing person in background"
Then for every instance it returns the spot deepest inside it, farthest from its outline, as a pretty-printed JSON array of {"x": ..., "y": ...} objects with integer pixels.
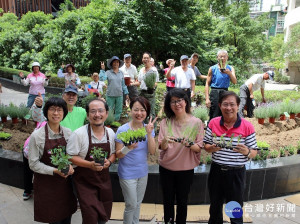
[
  {"x": 148, "y": 69},
  {"x": 71, "y": 78},
  {"x": 184, "y": 76},
  {"x": 97, "y": 85},
  {"x": 37, "y": 82},
  {"x": 194, "y": 60},
  {"x": 170, "y": 83},
  {"x": 102, "y": 75},
  {"x": 133, "y": 179},
  {"x": 54, "y": 201},
  {"x": 227, "y": 175},
  {"x": 129, "y": 70},
  {"x": 115, "y": 87},
  {"x": 218, "y": 80},
  {"x": 92, "y": 180},
  {"x": 177, "y": 160},
  {"x": 257, "y": 81}
]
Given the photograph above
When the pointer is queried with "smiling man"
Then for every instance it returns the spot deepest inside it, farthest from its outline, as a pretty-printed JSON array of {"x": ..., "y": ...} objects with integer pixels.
[{"x": 92, "y": 181}]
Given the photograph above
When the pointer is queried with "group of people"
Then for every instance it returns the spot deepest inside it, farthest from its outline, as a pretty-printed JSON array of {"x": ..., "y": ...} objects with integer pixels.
[{"x": 180, "y": 140}]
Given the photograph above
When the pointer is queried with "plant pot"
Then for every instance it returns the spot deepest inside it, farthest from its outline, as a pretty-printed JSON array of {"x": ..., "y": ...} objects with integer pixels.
[
  {"x": 127, "y": 81},
  {"x": 4, "y": 119},
  {"x": 292, "y": 116},
  {"x": 150, "y": 91},
  {"x": 65, "y": 171},
  {"x": 272, "y": 120},
  {"x": 222, "y": 69},
  {"x": 15, "y": 120},
  {"x": 261, "y": 120},
  {"x": 298, "y": 115},
  {"x": 282, "y": 117},
  {"x": 100, "y": 161}
]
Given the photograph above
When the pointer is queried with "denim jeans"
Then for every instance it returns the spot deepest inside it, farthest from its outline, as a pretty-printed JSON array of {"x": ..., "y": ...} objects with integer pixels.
[
  {"x": 31, "y": 99},
  {"x": 133, "y": 191}
]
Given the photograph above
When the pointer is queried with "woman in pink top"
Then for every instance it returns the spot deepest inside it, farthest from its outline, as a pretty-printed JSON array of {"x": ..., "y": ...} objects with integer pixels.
[
  {"x": 180, "y": 141},
  {"x": 37, "y": 82},
  {"x": 170, "y": 83}
]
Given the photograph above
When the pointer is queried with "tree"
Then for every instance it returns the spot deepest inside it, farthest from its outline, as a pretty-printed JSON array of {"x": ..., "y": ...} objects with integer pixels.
[{"x": 292, "y": 46}]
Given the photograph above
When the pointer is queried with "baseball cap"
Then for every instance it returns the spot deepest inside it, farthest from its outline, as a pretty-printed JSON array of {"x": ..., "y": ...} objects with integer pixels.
[
  {"x": 184, "y": 57},
  {"x": 271, "y": 74},
  {"x": 195, "y": 54},
  {"x": 71, "y": 88},
  {"x": 127, "y": 55}
]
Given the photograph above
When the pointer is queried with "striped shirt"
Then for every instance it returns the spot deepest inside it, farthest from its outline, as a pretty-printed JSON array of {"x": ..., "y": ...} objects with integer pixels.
[{"x": 225, "y": 156}]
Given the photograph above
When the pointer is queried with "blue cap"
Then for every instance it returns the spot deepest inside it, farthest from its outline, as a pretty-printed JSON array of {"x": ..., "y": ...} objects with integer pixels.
[
  {"x": 271, "y": 74},
  {"x": 184, "y": 57},
  {"x": 71, "y": 88},
  {"x": 127, "y": 55}
]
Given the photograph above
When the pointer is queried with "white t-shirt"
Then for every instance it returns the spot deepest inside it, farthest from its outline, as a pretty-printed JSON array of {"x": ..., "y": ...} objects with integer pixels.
[
  {"x": 142, "y": 76},
  {"x": 131, "y": 71},
  {"x": 257, "y": 81},
  {"x": 183, "y": 78},
  {"x": 98, "y": 85}
]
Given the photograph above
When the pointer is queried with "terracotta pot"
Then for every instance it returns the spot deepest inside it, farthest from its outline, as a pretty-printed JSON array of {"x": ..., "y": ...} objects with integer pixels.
[
  {"x": 272, "y": 120},
  {"x": 4, "y": 119},
  {"x": 261, "y": 120},
  {"x": 282, "y": 117},
  {"x": 127, "y": 81},
  {"x": 298, "y": 115},
  {"x": 15, "y": 120},
  {"x": 292, "y": 116}
]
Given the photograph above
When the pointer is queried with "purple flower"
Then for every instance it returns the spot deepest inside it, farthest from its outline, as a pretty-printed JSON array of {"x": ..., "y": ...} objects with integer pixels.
[
  {"x": 49, "y": 152},
  {"x": 91, "y": 157}
]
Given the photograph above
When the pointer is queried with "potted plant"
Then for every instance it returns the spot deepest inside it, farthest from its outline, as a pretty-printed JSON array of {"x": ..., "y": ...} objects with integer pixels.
[
  {"x": 23, "y": 113},
  {"x": 132, "y": 136},
  {"x": 115, "y": 124},
  {"x": 150, "y": 79},
  {"x": 201, "y": 112},
  {"x": 273, "y": 111},
  {"x": 297, "y": 108},
  {"x": 290, "y": 107},
  {"x": 60, "y": 159},
  {"x": 262, "y": 145},
  {"x": 13, "y": 112},
  {"x": 261, "y": 113},
  {"x": 3, "y": 113},
  {"x": 274, "y": 154},
  {"x": 98, "y": 155},
  {"x": 282, "y": 151},
  {"x": 5, "y": 136},
  {"x": 222, "y": 142},
  {"x": 110, "y": 118}
]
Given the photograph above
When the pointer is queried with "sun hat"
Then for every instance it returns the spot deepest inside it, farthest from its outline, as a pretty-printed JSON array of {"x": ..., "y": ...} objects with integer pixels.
[
  {"x": 271, "y": 74},
  {"x": 195, "y": 54},
  {"x": 71, "y": 88},
  {"x": 169, "y": 61},
  {"x": 184, "y": 57},
  {"x": 72, "y": 66},
  {"x": 109, "y": 62}
]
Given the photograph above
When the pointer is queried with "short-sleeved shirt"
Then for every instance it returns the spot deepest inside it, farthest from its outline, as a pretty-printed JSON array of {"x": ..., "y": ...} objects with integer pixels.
[
  {"x": 98, "y": 85},
  {"x": 241, "y": 127},
  {"x": 196, "y": 70},
  {"x": 143, "y": 74},
  {"x": 219, "y": 79},
  {"x": 74, "y": 119},
  {"x": 257, "y": 81},
  {"x": 134, "y": 164},
  {"x": 170, "y": 81},
  {"x": 183, "y": 78},
  {"x": 79, "y": 141},
  {"x": 178, "y": 157},
  {"x": 129, "y": 72}
]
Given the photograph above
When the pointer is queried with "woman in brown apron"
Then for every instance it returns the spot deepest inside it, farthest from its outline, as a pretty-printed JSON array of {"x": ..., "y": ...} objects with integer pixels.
[
  {"x": 54, "y": 201},
  {"x": 92, "y": 181}
]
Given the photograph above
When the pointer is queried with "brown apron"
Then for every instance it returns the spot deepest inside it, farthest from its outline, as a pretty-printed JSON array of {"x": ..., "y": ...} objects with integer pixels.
[
  {"x": 94, "y": 188},
  {"x": 54, "y": 199}
]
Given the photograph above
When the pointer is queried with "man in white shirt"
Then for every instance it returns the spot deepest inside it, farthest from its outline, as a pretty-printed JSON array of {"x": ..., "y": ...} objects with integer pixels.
[
  {"x": 129, "y": 70},
  {"x": 184, "y": 76},
  {"x": 256, "y": 82}
]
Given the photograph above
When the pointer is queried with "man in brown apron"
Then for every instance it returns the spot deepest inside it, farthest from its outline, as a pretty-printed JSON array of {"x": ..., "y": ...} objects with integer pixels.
[{"x": 92, "y": 181}]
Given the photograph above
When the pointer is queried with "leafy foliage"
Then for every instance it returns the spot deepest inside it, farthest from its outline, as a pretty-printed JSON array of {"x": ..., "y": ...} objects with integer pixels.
[{"x": 59, "y": 157}]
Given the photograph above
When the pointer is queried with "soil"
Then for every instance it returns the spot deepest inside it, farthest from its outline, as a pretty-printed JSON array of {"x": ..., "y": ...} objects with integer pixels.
[{"x": 279, "y": 134}]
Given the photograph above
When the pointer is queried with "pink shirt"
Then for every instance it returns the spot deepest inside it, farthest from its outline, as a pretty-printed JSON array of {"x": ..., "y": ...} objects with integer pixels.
[
  {"x": 169, "y": 82},
  {"x": 178, "y": 157},
  {"x": 37, "y": 83}
]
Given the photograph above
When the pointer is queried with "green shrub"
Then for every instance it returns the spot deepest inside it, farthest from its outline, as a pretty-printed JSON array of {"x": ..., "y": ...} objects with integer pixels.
[
  {"x": 150, "y": 79},
  {"x": 9, "y": 72},
  {"x": 291, "y": 150},
  {"x": 23, "y": 111},
  {"x": 262, "y": 144},
  {"x": 274, "y": 110},
  {"x": 274, "y": 153},
  {"x": 264, "y": 154},
  {"x": 3, "y": 110},
  {"x": 201, "y": 112},
  {"x": 261, "y": 112},
  {"x": 110, "y": 118},
  {"x": 13, "y": 111},
  {"x": 282, "y": 151}
]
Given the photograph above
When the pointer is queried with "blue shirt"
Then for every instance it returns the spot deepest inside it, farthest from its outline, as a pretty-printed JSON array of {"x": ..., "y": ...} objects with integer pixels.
[
  {"x": 115, "y": 84},
  {"x": 219, "y": 79},
  {"x": 134, "y": 164}
]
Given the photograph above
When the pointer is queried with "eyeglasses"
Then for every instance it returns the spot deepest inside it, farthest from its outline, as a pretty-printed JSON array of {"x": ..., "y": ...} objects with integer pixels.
[
  {"x": 56, "y": 109},
  {"x": 99, "y": 110},
  {"x": 231, "y": 105},
  {"x": 174, "y": 102}
]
